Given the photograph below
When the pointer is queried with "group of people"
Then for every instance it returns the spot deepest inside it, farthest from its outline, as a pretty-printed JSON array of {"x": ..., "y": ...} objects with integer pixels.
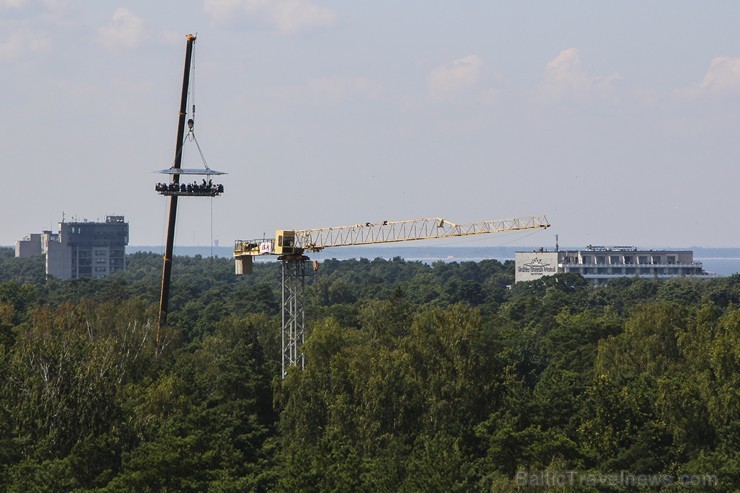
[{"x": 204, "y": 188}]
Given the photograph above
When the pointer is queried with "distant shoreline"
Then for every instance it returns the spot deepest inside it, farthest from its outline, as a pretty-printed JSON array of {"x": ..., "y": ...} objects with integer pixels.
[{"x": 722, "y": 261}]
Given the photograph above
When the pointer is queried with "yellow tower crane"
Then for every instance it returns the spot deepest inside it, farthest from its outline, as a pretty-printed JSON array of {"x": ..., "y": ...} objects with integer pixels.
[{"x": 290, "y": 246}]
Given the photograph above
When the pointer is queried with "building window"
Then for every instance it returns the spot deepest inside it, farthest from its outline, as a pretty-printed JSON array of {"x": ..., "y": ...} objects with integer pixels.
[
  {"x": 101, "y": 253},
  {"x": 614, "y": 259},
  {"x": 671, "y": 259},
  {"x": 587, "y": 259},
  {"x": 642, "y": 259},
  {"x": 601, "y": 260},
  {"x": 656, "y": 259}
]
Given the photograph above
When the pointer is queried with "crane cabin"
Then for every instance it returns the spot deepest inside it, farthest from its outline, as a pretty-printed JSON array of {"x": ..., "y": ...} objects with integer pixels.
[{"x": 285, "y": 243}]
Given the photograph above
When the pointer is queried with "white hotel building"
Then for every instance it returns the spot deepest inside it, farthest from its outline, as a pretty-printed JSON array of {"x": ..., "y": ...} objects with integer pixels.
[{"x": 599, "y": 264}]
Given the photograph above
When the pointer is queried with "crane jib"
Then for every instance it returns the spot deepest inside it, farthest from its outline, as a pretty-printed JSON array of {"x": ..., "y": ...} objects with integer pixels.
[{"x": 290, "y": 242}]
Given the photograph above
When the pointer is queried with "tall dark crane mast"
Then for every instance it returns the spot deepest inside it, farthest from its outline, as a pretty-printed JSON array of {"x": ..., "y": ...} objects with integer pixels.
[
  {"x": 290, "y": 246},
  {"x": 164, "y": 298},
  {"x": 175, "y": 189}
]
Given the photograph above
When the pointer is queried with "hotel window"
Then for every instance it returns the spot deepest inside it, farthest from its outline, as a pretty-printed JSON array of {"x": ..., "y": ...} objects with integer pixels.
[
  {"x": 656, "y": 259},
  {"x": 587, "y": 259},
  {"x": 642, "y": 259},
  {"x": 627, "y": 259},
  {"x": 671, "y": 259},
  {"x": 614, "y": 259},
  {"x": 600, "y": 259}
]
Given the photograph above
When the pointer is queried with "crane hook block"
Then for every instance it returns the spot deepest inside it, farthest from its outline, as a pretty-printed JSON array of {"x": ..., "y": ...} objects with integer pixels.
[{"x": 191, "y": 123}]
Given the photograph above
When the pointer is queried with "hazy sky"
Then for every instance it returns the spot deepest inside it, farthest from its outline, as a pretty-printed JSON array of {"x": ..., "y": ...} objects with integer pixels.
[{"x": 617, "y": 120}]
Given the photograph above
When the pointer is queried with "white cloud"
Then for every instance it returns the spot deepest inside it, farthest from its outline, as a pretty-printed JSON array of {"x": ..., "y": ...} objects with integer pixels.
[
  {"x": 12, "y": 4},
  {"x": 22, "y": 43},
  {"x": 722, "y": 79},
  {"x": 288, "y": 16},
  {"x": 11, "y": 49},
  {"x": 126, "y": 30},
  {"x": 566, "y": 77},
  {"x": 459, "y": 75},
  {"x": 222, "y": 10},
  {"x": 172, "y": 37},
  {"x": 723, "y": 75},
  {"x": 490, "y": 96}
]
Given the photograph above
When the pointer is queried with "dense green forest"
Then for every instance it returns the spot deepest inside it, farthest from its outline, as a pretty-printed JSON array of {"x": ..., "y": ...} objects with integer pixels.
[{"x": 419, "y": 377}]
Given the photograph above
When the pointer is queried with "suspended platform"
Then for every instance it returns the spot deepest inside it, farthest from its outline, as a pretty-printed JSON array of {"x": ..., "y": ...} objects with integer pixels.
[
  {"x": 189, "y": 190},
  {"x": 195, "y": 189}
]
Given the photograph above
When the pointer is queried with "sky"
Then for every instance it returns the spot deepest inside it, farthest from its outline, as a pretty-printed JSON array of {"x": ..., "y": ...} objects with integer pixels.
[{"x": 617, "y": 120}]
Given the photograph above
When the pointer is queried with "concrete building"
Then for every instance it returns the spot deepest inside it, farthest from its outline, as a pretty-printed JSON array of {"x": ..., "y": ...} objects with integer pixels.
[
  {"x": 599, "y": 264},
  {"x": 30, "y": 245},
  {"x": 80, "y": 249}
]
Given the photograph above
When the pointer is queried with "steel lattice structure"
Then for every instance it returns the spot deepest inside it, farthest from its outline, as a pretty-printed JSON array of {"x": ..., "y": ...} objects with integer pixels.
[
  {"x": 290, "y": 245},
  {"x": 294, "y": 316},
  {"x": 407, "y": 230},
  {"x": 386, "y": 232}
]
